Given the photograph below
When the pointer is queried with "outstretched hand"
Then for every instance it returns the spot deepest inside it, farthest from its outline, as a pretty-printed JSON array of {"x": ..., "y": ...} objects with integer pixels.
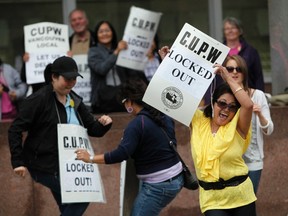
[
  {"x": 82, "y": 154},
  {"x": 105, "y": 120}
]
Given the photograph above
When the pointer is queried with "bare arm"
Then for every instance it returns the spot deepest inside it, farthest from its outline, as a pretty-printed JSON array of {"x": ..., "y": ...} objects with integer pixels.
[
  {"x": 245, "y": 115},
  {"x": 83, "y": 155}
]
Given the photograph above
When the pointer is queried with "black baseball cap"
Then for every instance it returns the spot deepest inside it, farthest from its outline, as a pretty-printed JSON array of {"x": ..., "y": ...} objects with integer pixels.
[{"x": 66, "y": 66}]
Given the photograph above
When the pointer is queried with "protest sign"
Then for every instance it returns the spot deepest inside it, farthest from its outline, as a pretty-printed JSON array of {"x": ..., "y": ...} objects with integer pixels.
[
  {"x": 129, "y": 187},
  {"x": 139, "y": 33},
  {"x": 80, "y": 181},
  {"x": 83, "y": 85},
  {"x": 44, "y": 42},
  {"x": 185, "y": 74}
]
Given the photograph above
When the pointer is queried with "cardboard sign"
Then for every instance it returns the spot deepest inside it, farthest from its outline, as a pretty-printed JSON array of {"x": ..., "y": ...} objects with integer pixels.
[
  {"x": 44, "y": 42},
  {"x": 185, "y": 74},
  {"x": 83, "y": 85},
  {"x": 139, "y": 33},
  {"x": 80, "y": 181}
]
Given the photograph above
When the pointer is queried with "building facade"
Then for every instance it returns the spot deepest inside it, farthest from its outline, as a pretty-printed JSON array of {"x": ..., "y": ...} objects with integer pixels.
[{"x": 206, "y": 16}]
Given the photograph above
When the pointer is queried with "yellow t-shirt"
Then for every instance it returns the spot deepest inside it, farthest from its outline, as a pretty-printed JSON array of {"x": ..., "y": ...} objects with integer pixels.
[{"x": 220, "y": 156}]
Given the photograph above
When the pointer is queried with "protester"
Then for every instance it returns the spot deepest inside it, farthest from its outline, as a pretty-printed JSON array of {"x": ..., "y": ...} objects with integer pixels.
[
  {"x": 234, "y": 39},
  {"x": 39, "y": 115},
  {"x": 153, "y": 59},
  {"x": 106, "y": 77},
  {"x": 261, "y": 119},
  {"x": 80, "y": 41},
  {"x": 82, "y": 38},
  {"x": 12, "y": 91},
  {"x": 220, "y": 135},
  {"x": 146, "y": 141}
]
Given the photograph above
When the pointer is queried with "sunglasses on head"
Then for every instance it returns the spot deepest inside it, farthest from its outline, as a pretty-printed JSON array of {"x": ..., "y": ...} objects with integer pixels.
[
  {"x": 224, "y": 105},
  {"x": 231, "y": 69}
]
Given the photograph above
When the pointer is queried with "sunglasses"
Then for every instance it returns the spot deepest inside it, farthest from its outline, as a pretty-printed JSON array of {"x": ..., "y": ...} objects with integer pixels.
[
  {"x": 124, "y": 100},
  {"x": 231, "y": 69},
  {"x": 224, "y": 105}
]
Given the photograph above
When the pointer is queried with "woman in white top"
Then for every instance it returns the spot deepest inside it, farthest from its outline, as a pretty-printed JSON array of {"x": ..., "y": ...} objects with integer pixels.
[{"x": 261, "y": 120}]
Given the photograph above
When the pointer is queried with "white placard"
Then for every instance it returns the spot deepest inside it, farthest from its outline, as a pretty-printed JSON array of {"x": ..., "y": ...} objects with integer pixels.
[
  {"x": 44, "y": 42},
  {"x": 122, "y": 185},
  {"x": 139, "y": 33},
  {"x": 185, "y": 74},
  {"x": 83, "y": 85},
  {"x": 80, "y": 181}
]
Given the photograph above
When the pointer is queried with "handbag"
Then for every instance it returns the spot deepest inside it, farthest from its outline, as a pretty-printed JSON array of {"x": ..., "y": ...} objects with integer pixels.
[{"x": 190, "y": 180}]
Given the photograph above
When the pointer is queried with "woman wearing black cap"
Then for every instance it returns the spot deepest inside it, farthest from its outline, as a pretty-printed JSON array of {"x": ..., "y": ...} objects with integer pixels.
[{"x": 38, "y": 116}]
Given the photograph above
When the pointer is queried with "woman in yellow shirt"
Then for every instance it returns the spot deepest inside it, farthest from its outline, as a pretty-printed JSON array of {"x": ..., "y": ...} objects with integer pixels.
[{"x": 220, "y": 135}]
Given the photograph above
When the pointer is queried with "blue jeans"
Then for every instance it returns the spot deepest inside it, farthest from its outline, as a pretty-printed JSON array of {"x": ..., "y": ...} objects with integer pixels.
[
  {"x": 153, "y": 197},
  {"x": 255, "y": 178},
  {"x": 53, "y": 183}
]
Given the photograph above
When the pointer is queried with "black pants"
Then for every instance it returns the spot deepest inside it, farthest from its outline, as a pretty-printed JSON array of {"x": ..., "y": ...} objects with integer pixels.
[
  {"x": 247, "y": 210},
  {"x": 53, "y": 183}
]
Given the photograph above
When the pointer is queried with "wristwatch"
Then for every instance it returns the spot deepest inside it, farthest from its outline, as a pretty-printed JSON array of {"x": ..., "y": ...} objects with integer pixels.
[{"x": 91, "y": 158}]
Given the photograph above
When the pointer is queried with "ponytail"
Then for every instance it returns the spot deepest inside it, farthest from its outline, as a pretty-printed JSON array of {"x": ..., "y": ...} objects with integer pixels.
[{"x": 48, "y": 74}]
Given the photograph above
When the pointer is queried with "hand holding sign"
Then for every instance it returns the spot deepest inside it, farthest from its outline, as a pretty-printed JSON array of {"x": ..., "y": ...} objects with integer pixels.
[
  {"x": 185, "y": 73},
  {"x": 163, "y": 51}
]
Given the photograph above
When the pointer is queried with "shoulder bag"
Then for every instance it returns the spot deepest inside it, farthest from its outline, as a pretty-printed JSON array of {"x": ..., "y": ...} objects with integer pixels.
[{"x": 190, "y": 180}]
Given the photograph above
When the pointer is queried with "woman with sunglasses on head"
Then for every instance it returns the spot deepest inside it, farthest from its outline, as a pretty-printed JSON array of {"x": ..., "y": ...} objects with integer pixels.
[
  {"x": 220, "y": 135},
  {"x": 261, "y": 119}
]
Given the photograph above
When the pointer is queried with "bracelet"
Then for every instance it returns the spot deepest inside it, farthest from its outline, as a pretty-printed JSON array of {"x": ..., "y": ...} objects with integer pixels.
[
  {"x": 265, "y": 126},
  {"x": 91, "y": 159},
  {"x": 238, "y": 89}
]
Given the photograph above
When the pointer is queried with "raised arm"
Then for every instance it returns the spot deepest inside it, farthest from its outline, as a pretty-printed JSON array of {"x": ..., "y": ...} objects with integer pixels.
[{"x": 245, "y": 115}]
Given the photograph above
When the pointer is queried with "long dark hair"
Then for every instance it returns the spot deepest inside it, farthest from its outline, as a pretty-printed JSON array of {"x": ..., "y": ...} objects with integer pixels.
[
  {"x": 114, "y": 41},
  {"x": 220, "y": 90},
  {"x": 134, "y": 90}
]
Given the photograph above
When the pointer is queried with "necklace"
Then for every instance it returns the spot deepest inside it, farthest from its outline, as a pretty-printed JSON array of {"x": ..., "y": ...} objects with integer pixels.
[{"x": 214, "y": 130}]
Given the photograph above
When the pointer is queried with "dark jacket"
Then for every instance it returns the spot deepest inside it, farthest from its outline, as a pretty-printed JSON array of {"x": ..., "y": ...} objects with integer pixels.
[
  {"x": 145, "y": 142},
  {"x": 92, "y": 39},
  {"x": 38, "y": 117},
  {"x": 100, "y": 61}
]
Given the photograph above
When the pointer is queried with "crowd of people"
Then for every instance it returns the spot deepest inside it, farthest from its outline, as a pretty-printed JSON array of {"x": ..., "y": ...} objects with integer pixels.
[{"x": 226, "y": 135}]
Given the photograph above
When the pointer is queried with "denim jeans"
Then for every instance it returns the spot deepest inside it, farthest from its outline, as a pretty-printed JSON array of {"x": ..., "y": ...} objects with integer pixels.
[
  {"x": 153, "y": 197},
  {"x": 255, "y": 178},
  {"x": 53, "y": 183}
]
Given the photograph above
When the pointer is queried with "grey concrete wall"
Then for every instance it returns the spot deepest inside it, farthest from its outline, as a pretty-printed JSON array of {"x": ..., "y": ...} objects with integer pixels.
[
  {"x": 278, "y": 22},
  {"x": 23, "y": 197}
]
